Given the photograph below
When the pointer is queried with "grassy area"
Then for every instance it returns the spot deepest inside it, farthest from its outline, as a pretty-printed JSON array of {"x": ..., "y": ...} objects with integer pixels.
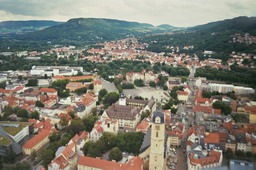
[
  {"x": 4, "y": 140},
  {"x": 15, "y": 130}
]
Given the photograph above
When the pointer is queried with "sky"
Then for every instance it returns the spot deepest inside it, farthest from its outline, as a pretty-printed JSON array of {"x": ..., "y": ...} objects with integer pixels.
[{"x": 182, "y": 13}]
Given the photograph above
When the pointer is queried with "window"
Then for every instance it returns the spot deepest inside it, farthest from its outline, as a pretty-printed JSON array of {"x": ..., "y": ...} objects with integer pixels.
[
  {"x": 157, "y": 134},
  {"x": 157, "y": 127}
]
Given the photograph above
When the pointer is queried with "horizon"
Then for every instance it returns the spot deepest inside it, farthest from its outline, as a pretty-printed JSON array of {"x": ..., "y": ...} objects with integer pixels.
[
  {"x": 175, "y": 13},
  {"x": 123, "y": 20}
]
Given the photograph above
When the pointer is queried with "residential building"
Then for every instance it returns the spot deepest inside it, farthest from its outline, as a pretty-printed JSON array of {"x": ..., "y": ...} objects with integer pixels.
[
  {"x": 175, "y": 134},
  {"x": 66, "y": 157},
  {"x": 182, "y": 95},
  {"x": 85, "y": 104},
  {"x": 131, "y": 77},
  {"x": 106, "y": 125},
  {"x": 204, "y": 160},
  {"x": 37, "y": 142},
  {"x": 97, "y": 86},
  {"x": 173, "y": 81},
  {"x": 231, "y": 143},
  {"x": 143, "y": 126}
]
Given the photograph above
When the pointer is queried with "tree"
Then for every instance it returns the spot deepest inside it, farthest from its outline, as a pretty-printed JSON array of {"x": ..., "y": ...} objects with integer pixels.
[
  {"x": 76, "y": 125},
  {"x": 2, "y": 85},
  {"x": 32, "y": 82},
  {"x": 81, "y": 91},
  {"x": 46, "y": 155},
  {"x": 63, "y": 121},
  {"x": 80, "y": 73},
  {"x": 127, "y": 86},
  {"x": 110, "y": 98},
  {"x": 22, "y": 113},
  {"x": 115, "y": 154},
  {"x": 20, "y": 77},
  {"x": 152, "y": 84},
  {"x": 184, "y": 79},
  {"x": 102, "y": 93},
  {"x": 139, "y": 83},
  {"x": 8, "y": 110},
  {"x": 229, "y": 153},
  {"x": 20, "y": 166},
  {"x": 144, "y": 115},
  {"x": 89, "y": 121},
  {"x": 91, "y": 86},
  {"x": 165, "y": 87},
  {"x": 39, "y": 104},
  {"x": 225, "y": 109},
  {"x": 10, "y": 158},
  {"x": 174, "y": 110},
  {"x": 248, "y": 154},
  {"x": 72, "y": 114},
  {"x": 55, "y": 136},
  {"x": 34, "y": 115}
]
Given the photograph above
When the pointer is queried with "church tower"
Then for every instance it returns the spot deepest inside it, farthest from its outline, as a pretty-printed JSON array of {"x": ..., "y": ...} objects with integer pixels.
[
  {"x": 122, "y": 99},
  {"x": 157, "y": 147}
]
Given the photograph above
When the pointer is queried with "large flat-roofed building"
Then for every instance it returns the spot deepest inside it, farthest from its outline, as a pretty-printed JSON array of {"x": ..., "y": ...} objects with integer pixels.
[
  {"x": 225, "y": 88},
  {"x": 17, "y": 130},
  {"x": 55, "y": 70}
]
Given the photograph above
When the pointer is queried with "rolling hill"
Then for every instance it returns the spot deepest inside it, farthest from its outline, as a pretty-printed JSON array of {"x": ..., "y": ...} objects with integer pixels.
[
  {"x": 91, "y": 30},
  {"x": 214, "y": 36},
  {"x": 21, "y": 27},
  {"x": 238, "y": 24}
]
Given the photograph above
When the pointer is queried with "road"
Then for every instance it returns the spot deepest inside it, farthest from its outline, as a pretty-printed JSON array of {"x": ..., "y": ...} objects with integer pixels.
[
  {"x": 185, "y": 111},
  {"x": 110, "y": 87}
]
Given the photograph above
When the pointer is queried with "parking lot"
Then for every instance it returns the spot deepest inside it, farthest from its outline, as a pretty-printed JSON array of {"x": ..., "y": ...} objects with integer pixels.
[{"x": 147, "y": 92}]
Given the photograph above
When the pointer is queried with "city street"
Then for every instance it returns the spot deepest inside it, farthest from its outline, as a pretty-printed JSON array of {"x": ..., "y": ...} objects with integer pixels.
[{"x": 185, "y": 111}]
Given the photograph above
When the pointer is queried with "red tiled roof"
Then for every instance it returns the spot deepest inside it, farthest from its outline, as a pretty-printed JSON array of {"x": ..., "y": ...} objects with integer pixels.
[
  {"x": 36, "y": 139},
  {"x": 212, "y": 138},
  {"x": 135, "y": 163},
  {"x": 48, "y": 90},
  {"x": 184, "y": 93},
  {"x": 213, "y": 158},
  {"x": 206, "y": 109},
  {"x": 75, "y": 78},
  {"x": 143, "y": 125},
  {"x": 97, "y": 82},
  {"x": 203, "y": 100}
]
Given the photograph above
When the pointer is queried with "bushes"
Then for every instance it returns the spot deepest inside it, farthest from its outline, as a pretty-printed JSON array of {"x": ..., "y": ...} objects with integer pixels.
[
  {"x": 126, "y": 142},
  {"x": 139, "y": 83}
]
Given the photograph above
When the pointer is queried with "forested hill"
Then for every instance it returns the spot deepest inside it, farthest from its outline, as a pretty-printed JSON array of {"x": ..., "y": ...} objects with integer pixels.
[
  {"x": 238, "y": 24},
  {"x": 215, "y": 36},
  {"x": 83, "y": 31},
  {"x": 20, "y": 27}
]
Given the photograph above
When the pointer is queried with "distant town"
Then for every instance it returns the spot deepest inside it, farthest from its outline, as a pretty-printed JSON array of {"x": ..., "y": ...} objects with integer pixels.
[{"x": 135, "y": 110}]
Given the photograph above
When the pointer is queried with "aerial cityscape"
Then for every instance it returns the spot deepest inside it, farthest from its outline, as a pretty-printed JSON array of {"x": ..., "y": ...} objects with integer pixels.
[{"x": 98, "y": 88}]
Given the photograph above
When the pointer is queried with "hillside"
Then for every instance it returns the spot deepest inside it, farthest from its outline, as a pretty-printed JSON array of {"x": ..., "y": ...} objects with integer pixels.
[
  {"x": 91, "y": 30},
  {"x": 80, "y": 32},
  {"x": 20, "y": 27},
  {"x": 238, "y": 24},
  {"x": 215, "y": 36}
]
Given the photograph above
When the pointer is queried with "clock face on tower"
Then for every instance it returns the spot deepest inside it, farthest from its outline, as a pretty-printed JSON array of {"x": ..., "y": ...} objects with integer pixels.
[{"x": 158, "y": 120}]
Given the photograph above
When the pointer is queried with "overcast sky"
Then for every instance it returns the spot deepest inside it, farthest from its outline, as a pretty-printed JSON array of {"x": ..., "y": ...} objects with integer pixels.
[{"x": 173, "y": 12}]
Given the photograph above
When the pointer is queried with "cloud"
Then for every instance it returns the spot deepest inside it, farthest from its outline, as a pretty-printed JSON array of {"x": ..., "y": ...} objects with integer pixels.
[{"x": 174, "y": 12}]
